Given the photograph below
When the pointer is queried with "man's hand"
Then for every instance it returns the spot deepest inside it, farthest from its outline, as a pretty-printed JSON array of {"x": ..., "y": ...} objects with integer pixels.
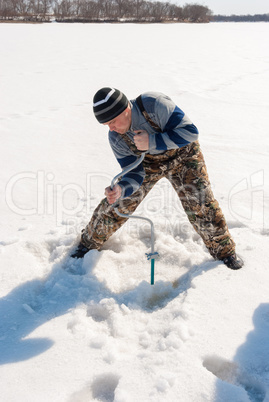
[
  {"x": 141, "y": 140},
  {"x": 113, "y": 195}
]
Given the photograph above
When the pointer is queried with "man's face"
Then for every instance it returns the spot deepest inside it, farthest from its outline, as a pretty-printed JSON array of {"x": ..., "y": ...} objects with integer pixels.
[{"x": 121, "y": 123}]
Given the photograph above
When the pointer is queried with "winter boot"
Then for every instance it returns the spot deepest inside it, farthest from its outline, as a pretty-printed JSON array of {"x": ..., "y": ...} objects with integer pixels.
[
  {"x": 233, "y": 261},
  {"x": 80, "y": 251}
]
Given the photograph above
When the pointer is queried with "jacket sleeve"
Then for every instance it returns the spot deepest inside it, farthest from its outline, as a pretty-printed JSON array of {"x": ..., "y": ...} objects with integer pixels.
[
  {"x": 131, "y": 181},
  {"x": 177, "y": 128}
]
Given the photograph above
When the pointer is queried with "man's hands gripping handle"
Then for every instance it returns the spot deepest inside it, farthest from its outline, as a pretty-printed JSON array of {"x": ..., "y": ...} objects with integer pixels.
[
  {"x": 141, "y": 140},
  {"x": 113, "y": 193}
]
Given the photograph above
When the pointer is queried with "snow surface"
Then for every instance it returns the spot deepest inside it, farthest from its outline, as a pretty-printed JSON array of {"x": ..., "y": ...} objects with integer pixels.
[{"x": 201, "y": 333}]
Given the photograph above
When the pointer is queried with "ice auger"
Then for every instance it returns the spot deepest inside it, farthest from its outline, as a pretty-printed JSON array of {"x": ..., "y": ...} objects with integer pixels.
[{"x": 153, "y": 254}]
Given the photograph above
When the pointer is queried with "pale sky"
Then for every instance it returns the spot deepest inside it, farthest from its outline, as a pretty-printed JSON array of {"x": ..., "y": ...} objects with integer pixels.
[{"x": 229, "y": 7}]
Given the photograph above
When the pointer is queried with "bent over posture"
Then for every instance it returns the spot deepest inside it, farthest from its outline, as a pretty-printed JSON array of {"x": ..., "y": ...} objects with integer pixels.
[{"x": 152, "y": 123}]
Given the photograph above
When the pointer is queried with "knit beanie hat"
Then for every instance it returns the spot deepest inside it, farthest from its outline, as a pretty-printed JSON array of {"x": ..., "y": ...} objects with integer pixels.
[{"x": 108, "y": 103}]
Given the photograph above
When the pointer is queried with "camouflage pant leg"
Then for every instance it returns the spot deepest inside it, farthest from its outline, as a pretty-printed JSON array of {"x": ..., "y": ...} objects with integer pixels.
[
  {"x": 191, "y": 182},
  {"x": 105, "y": 221},
  {"x": 185, "y": 169}
]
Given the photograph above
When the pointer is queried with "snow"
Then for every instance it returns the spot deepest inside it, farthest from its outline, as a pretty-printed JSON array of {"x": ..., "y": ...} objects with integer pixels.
[{"x": 101, "y": 332}]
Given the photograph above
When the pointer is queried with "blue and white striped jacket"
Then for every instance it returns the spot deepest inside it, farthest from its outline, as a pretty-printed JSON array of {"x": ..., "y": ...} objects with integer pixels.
[{"x": 177, "y": 131}]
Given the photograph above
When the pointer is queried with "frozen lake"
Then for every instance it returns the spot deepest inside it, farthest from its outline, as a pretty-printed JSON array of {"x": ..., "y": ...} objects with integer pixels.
[{"x": 201, "y": 333}]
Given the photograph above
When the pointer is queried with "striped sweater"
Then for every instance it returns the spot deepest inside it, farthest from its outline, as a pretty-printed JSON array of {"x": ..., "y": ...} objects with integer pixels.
[{"x": 177, "y": 131}]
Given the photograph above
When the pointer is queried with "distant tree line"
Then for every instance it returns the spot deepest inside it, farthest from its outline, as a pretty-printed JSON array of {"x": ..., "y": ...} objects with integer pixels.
[
  {"x": 241, "y": 18},
  {"x": 102, "y": 10},
  {"x": 26, "y": 10}
]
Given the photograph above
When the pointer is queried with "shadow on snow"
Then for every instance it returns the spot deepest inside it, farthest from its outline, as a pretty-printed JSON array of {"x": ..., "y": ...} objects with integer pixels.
[
  {"x": 33, "y": 303},
  {"x": 246, "y": 378}
]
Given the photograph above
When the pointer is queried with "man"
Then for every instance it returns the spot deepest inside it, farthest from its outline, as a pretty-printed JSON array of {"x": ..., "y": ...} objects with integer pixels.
[{"x": 152, "y": 123}]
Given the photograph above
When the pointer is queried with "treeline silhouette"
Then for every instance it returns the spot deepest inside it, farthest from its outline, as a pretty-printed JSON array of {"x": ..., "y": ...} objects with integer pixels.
[
  {"x": 241, "y": 18},
  {"x": 113, "y": 11},
  {"x": 102, "y": 11}
]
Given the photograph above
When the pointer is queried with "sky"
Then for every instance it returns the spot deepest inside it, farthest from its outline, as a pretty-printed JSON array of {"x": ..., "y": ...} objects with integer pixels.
[{"x": 229, "y": 7}]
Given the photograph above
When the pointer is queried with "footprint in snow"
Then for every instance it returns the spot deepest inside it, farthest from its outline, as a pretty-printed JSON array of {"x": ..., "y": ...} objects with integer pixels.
[
  {"x": 22, "y": 228},
  {"x": 102, "y": 389},
  {"x": 99, "y": 312},
  {"x": 74, "y": 266},
  {"x": 9, "y": 241},
  {"x": 80, "y": 266},
  {"x": 234, "y": 374}
]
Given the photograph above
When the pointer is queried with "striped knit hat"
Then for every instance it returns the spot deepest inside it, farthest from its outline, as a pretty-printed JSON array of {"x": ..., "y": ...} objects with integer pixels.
[{"x": 108, "y": 103}]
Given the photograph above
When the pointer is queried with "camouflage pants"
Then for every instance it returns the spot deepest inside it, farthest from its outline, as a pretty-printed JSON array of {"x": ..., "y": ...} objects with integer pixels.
[{"x": 185, "y": 169}]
